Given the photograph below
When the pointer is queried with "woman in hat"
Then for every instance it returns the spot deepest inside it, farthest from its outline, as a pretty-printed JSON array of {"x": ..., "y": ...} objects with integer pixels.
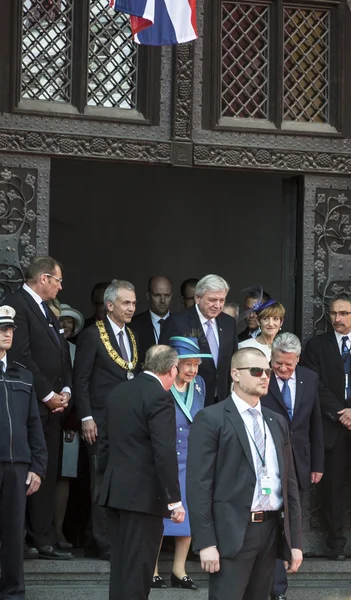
[
  {"x": 189, "y": 394},
  {"x": 72, "y": 322},
  {"x": 270, "y": 317}
]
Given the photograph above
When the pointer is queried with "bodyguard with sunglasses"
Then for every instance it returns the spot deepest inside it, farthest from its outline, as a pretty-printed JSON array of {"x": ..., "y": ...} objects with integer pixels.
[
  {"x": 240, "y": 480},
  {"x": 329, "y": 356}
]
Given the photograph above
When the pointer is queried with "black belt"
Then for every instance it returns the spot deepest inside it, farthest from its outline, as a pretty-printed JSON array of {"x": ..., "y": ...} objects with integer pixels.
[{"x": 262, "y": 515}]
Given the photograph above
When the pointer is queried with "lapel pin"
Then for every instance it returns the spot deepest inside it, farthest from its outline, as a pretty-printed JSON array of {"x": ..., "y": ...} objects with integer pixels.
[
  {"x": 270, "y": 418},
  {"x": 220, "y": 329},
  {"x": 301, "y": 381}
]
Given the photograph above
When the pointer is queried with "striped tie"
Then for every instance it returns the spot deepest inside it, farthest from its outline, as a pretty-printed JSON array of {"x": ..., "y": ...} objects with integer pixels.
[{"x": 262, "y": 498}]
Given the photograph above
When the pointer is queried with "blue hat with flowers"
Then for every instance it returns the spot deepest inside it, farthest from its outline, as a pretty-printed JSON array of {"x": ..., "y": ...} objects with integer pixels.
[{"x": 187, "y": 347}]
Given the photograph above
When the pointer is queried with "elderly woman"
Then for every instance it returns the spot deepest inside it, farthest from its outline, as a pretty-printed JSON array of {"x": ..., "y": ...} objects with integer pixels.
[
  {"x": 189, "y": 393},
  {"x": 72, "y": 322},
  {"x": 270, "y": 317}
]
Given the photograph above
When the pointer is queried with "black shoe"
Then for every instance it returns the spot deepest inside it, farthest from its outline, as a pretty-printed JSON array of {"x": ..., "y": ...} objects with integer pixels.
[
  {"x": 279, "y": 597},
  {"x": 105, "y": 555},
  {"x": 30, "y": 553},
  {"x": 158, "y": 582},
  {"x": 186, "y": 583},
  {"x": 54, "y": 553},
  {"x": 64, "y": 545},
  {"x": 337, "y": 555}
]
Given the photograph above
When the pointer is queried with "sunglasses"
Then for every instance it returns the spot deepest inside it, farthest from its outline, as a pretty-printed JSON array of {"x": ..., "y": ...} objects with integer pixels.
[{"x": 255, "y": 371}]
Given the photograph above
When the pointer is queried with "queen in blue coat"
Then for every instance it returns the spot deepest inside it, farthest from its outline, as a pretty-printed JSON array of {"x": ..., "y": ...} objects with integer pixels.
[{"x": 189, "y": 395}]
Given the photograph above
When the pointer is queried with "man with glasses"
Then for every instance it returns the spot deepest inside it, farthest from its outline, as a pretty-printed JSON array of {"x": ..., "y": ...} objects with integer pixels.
[
  {"x": 329, "y": 356},
  {"x": 40, "y": 346},
  {"x": 240, "y": 481}
]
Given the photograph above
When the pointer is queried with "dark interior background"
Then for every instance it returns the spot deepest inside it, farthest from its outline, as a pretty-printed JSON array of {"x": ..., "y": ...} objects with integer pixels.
[{"x": 131, "y": 221}]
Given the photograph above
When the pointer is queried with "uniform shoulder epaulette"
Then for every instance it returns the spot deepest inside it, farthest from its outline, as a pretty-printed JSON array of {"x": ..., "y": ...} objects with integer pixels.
[{"x": 15, "y": 362}]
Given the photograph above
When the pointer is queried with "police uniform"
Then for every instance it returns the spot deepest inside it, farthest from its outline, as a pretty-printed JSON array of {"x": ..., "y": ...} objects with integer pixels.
[{"x": 22, "y": 449}]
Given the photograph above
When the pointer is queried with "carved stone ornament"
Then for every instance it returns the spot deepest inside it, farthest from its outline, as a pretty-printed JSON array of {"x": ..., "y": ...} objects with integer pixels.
[
  {"x": 183, "y": 104},
  {"x": 85, "y": 146},
  {"x": 277, "y": 160}
]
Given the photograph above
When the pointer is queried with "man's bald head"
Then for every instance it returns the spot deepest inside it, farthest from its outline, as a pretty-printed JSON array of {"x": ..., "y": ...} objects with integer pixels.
[
  {"x": 160, "y": 359},
  {"x": 242, "y": 356}
]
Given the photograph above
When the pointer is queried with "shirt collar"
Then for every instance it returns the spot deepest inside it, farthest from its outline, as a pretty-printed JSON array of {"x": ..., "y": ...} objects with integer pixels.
[
  {"x": 34, "y": 295},
  {"x": 339, "y": 336},
  {"x": 293, "y": 376},
  {"x": 242, "y": 406},
  {"x": 115, "y": 328},
  {"x": 4, "y": 360},
  {"x": 203, "y": 319},
  {"x": 153, "y": 375},
  {"x": 155, "y": 318}
]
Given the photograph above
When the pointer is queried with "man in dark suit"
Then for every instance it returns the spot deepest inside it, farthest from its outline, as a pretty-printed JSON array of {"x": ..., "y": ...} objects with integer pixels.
[
  {"x": 106, "y": 355},
  {"x": 252, "y": 329},
  {"x": 215, "y": 331},
  {"x": 329, "y": 356},
  {"x": 293, "y": 393},
  {"x": 149, "y": 324},
  {"x": 40, "y": 346},
  {"x": 137, "y": 454},
  {"x": 240, "y": 477}
]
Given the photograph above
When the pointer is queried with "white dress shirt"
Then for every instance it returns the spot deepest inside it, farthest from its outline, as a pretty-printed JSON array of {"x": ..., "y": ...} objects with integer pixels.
[
  {"x": 116, "y": 329},
  {"x": 292, "y": 387},
  {"x": 155, "y": 319},
  {"x": 339, "y": 337},
  {"x": 276, "y": 497},
  {"x": 203, "y": 321},
  {"x": 4, "y": 361},
  {"x": 39, "y": 301}
]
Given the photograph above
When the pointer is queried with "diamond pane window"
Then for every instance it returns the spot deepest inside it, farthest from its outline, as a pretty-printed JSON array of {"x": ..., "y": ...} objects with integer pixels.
[
  {"x": 47, "y": 50},
  {"x": 306, "y": 65},
  {"x": 112, "y": 76},
  {"x": 244, "y": 60}
]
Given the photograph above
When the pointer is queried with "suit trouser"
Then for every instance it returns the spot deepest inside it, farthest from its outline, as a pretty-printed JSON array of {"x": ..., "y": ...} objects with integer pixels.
[
  {"x": 40, "y": 506},
  {"x": 97, "y": 526},
  {"x": 280, "y": 582},
  {"x": 334, "y": 480},
  {"x": 249, "y": 575},
  {"x": 135, "y": 542},
  {"x": 12, "y": 515}
]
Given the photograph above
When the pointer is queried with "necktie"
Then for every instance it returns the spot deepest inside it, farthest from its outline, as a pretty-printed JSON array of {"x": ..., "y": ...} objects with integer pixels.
[
  {"x": 161, "y": 323},
  {"x": 286, "y": 393},
  {"x": 262, "y": 498},
  {"x": 2, "y": 366},
  {"x": 51, "y": 324},
  {"x": 212, "y": 342},
  {"x": 122, "y": 347},
  {"x": 345, "y": 353}
]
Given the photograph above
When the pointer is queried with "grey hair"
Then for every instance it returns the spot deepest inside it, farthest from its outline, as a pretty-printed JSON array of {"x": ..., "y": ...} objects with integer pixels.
[
  {"x": 115, "y": 286},
  {"x": 211, "y": 283},
  {"x": 160, "y": 359},
  {"x": 286, "y": 342}
]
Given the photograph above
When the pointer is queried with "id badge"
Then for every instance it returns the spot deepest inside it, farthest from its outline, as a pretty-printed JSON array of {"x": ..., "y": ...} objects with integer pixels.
[{"x": 266, "y": 485}]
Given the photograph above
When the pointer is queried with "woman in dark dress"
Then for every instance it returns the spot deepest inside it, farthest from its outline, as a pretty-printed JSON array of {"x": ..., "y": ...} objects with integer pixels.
[{"x": 189, "y": 394}]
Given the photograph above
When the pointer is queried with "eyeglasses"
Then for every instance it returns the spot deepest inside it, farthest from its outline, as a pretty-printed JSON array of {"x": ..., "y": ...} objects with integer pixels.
[
  {"x": 340, "y": 313},
  {"x": 255, "y": 371},
  {"x": 59, "y": 279}
]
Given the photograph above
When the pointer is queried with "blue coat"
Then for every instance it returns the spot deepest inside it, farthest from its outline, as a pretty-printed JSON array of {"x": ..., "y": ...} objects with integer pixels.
[{"x": 184, "y": 419}]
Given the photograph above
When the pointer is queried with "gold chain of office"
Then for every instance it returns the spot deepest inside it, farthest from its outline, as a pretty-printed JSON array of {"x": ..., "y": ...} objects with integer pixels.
[{"x": 129, "y": 366}]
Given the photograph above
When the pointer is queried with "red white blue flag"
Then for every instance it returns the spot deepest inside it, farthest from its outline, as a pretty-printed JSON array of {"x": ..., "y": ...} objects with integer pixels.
[{"x": 160, "y": 22}]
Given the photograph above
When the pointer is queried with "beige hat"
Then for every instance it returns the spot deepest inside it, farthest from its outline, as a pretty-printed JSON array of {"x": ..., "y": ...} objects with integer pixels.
[
  {"x": 68, "y": 311},
  {"x": 7, "y": 315}
]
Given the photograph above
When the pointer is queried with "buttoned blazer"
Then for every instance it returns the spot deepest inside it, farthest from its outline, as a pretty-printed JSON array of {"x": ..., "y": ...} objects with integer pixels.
[
  {"x": 95, "y": 373},
  {"x": 137, "y": 448},
  {"x": 322, "y": 355},
  {"x": 221, "y": 480},
  {"x": 142, "y": 325},
  {"x": 306, "y": 431},
  {"x": 36, "y": 347},
  {"x": 186, "y": 323}
]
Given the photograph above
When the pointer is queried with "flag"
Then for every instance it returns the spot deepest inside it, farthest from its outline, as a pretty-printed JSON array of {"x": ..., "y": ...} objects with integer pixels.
[{"x": 160, "y": 22}]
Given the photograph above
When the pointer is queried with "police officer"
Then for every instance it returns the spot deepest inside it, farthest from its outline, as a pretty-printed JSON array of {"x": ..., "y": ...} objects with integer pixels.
[{"x": 23, "y": 458}]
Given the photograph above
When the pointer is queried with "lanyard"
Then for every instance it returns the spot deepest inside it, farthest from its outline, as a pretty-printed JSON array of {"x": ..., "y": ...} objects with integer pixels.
[{"x": 262, "y": 458}]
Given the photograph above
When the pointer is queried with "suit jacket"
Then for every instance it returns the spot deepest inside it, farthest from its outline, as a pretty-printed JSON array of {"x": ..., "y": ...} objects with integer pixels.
[
  {"x": 306, "y": 431},
  {"x": 221, "y": 480},
  {"x": 217, "y": 380},
  {"x": 95, "y": 373},
  {"x": 36, "y": 347},
  {"x": 142, "y": 325},
  {"x": 322, "y": 355},
  {"x": 137, "y": 448}
]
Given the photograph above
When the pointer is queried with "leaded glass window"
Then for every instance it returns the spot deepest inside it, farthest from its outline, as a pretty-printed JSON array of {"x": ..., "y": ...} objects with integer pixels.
[
  {"x": 306, "y": 65},
  {"x": 244, "y": 61},
  {"x": 112, "y": 59},
  {"x": 47, "y": 50}
]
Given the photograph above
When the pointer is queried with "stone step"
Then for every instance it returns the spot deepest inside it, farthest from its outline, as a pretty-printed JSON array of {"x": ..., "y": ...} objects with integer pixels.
[{"x": 87, "y": 579}]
